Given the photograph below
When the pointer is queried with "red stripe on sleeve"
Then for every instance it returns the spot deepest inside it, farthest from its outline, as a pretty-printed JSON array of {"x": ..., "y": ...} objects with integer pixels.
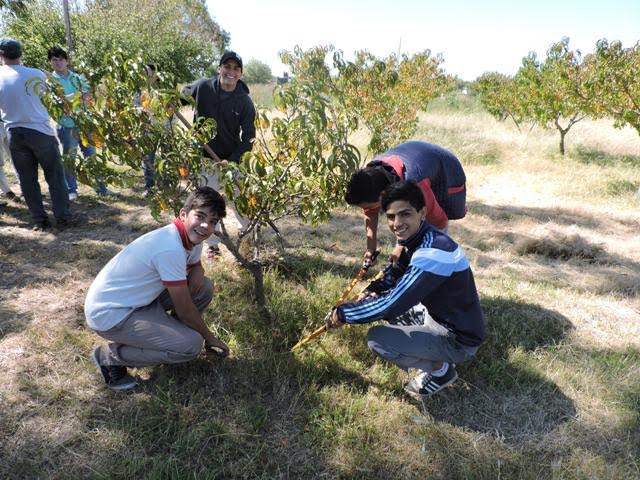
[
  {"x": 435, "y": 214},
  {"x": 452, "y": 190},
  {"x": 174, "y": 283}
]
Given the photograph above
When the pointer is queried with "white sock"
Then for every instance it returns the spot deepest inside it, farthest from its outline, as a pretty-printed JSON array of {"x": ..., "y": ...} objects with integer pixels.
[{"x": 441, "y": 371}]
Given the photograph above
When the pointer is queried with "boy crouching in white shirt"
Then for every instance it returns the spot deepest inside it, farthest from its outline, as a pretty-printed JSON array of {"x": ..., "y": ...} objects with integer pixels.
[{"x": 148, "y": 300}]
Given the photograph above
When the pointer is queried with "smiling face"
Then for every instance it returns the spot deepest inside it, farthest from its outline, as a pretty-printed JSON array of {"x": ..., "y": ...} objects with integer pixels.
[
  {"x": 229, "y": 73},
  {"x": 199, "y": 224},
  {"x": 403, "y": 219}
]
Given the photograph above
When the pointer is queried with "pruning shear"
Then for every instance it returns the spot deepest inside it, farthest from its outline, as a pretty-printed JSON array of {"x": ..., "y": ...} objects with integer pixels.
[{"x": 320, "y": 330}]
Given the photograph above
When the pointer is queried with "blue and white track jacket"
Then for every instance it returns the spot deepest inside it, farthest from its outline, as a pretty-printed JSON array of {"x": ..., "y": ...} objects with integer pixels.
[{"x": 432, "y": 270}]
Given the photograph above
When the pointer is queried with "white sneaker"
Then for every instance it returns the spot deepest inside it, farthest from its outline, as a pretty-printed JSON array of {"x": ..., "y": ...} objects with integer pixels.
[
  {"x": 424, "y": 384},
  {"x": 73, "y": 196}
]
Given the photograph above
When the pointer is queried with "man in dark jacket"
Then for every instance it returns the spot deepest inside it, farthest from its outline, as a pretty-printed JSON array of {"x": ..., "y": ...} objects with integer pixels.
[
  {"x": 226, "y": 99},
  {"x": 432, "y": 272}
]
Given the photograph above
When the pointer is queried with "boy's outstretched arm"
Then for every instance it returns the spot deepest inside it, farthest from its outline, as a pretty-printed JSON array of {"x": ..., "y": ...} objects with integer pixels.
[{"x": 189, "y": 315}]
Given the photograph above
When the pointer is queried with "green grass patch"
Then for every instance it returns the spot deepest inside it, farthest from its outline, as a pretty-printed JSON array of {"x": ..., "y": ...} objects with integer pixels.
[
  {"x": 618, "y": 188},
  {"x": 591, "y": 156}
]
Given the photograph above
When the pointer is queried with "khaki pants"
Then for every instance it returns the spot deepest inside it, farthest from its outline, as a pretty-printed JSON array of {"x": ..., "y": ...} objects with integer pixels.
[
  {"x": 150, "y": 336},
  {"x": 213, "y": 180}
]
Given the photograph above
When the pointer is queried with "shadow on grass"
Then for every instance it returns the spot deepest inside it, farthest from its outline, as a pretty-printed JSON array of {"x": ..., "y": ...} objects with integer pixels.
[
  {"x": 12, "y": 321},
  {"x": 237, "y": 418},
  {"x": 506, "y": 395},
  {"x": 592, "y": 156},
  {"x": 267, "y": 414},
  {"x": 508, "y": 213}
]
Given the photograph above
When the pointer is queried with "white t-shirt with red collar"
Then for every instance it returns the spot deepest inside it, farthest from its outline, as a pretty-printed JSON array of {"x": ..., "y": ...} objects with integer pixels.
[{"x": 137, "y": 275}]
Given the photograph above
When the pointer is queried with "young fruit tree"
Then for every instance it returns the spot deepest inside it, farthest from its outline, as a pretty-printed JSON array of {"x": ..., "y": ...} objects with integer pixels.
[
  {"x": 299, "y": 164},
  {"x": 300, "y": 161},
  {"x": 546, "y": 98},
  {"x": 386, "y": 94},
  {"x": 606, "y": 82},
  {"x": 499, "y": 95}
]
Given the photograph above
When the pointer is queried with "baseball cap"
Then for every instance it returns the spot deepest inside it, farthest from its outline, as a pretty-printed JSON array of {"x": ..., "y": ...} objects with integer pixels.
[
  {"x": 229, "y": 55},
  {"x": 10, "y": 48}
]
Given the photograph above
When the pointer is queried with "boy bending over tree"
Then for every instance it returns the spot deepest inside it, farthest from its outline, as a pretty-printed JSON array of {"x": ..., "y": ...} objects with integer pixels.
[
  {"x": 437, "y": 172},
  {"x": 129, "y": 300},
  {"x": 432, "y": 272}
]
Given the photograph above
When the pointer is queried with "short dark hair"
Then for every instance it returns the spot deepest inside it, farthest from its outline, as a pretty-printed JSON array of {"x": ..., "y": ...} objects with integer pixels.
[
  {"x": 206, "y": 197},
  {"x": 365, "y": 185},
  {"x": 10, "y": 48},
  {"x": 406, "y": 190},
  {"x": 57, "y": 52}
]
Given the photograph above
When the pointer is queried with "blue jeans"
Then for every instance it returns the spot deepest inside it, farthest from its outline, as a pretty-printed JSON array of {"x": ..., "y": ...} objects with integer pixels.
[
  {"x": 148, "y": 167},
  {"x": 70, "y": 140},
  {"x": 30, "y": 148}
]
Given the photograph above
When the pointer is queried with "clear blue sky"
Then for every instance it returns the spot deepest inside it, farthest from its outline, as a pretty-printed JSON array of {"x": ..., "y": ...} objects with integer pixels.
[{"x": 473, "y": 36}]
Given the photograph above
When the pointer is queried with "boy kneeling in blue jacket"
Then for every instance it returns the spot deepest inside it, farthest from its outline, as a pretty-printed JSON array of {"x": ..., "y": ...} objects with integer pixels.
[{"x": 429, "y": 295}]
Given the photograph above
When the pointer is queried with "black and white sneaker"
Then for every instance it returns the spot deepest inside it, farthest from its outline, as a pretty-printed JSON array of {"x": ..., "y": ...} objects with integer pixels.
[
  {"x": 424, "y": 384},
  {"x": 115, "y": 376}
]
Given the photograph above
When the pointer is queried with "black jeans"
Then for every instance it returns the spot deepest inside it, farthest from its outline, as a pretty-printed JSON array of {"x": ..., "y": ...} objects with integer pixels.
[{"x": 30, "y": 148}]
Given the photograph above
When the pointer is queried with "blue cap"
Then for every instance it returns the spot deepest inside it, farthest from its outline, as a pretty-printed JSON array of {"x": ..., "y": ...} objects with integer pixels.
[{"x": 10, "y": 48}]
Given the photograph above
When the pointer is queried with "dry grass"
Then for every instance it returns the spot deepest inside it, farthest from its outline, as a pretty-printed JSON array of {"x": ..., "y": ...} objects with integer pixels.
[
  {"x": 561, "y": 247},
  {"x": 553, "y": 392}
]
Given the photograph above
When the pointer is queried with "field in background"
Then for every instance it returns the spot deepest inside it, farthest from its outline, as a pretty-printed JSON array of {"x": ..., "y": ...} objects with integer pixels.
[
  {"x": 553, "y": 393},
  {"x": 262, "y": 94}
]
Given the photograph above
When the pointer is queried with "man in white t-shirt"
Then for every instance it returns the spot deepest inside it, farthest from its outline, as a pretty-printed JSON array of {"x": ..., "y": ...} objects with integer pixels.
[
  {"x": 32, "y": 140},
  {"x": 129, "y": 300}
]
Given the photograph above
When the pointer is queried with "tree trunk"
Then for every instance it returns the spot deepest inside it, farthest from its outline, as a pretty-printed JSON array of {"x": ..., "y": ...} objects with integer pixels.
[
  {"x": 563, "y": 133},
  {"x": 254, "y": 267}
]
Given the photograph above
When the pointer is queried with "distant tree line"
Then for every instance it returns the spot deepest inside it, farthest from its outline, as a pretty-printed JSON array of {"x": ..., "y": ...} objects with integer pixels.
[{"x": 567, "y": 87}]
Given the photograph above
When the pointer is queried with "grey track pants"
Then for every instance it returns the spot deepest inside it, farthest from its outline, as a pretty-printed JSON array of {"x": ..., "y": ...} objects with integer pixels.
[
  {"x": 150, "y": 336},
  {"x": 417, "y": 341}
]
